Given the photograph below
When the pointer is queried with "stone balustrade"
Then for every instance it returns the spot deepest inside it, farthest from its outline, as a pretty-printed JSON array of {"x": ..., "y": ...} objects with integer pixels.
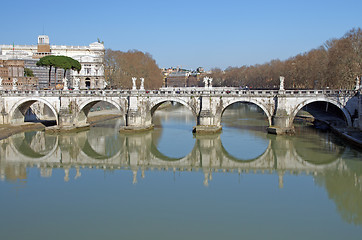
[{"x": 175, "y": 91}]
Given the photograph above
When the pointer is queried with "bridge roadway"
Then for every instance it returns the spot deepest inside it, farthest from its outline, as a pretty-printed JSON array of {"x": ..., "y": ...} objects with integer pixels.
[
  {"x": 70, "y": 108},
  {"x": 138, "y": 153}
]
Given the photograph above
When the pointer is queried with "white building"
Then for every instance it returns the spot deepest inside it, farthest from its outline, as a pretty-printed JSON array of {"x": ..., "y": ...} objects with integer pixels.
[{"x": 90, "y": 57}]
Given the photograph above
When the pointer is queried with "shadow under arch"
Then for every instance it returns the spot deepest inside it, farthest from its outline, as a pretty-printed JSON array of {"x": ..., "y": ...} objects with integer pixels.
[
  {"x": 19, "y": 110},
  {"x": 249, "y": 101},
  {"x": 21, "y": 145},
  {"x": 345, "y": 112},
  {"x": 85, "y": 108}
]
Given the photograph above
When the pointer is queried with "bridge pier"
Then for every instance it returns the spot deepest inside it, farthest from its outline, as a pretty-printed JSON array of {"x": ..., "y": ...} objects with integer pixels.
[
  {"x": 282, "y": 122},
  {"x": 207, "y": 124},
  {"x": 138, "y": 116},
  {"x": 136, "y": 122},
  {"x": 207, "y": 121},
  {"x": 281, "y": 125}
]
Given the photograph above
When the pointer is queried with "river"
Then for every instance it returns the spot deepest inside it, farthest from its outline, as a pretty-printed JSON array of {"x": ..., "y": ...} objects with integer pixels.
[{"x": 170, "y": 184}]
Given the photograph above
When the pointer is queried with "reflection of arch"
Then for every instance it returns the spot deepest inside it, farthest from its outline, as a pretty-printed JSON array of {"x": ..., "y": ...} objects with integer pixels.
[
  {"x": 111, "y": 141},
  {"x": 233, "y": 158},
  {"x": 269, "y": 159},
  {"x": 249, "y": 101},
  {"x": 301, "y": 150},
  {"x": 303, "y": 104},
  {"x": 207, "y": 153},
  {"x": 155, "y": 152},
  {"x": 196, "y": 149},
  {"x": 22, "y": 148},
  {"x": 23, "y": 105},
  {"x": 158, "y": 102},
  {"x": 90, "y": 152}
]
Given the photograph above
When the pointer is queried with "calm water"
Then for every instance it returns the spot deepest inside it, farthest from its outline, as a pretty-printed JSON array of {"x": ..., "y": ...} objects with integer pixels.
[{"x": 169, "y": 184}]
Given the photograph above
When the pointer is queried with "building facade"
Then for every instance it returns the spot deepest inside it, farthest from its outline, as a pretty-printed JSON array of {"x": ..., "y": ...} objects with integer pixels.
[
  {"x": 176, "y": 77},
  {"x": 90, "y": 57},
  {"x": 13, "y": 77}
]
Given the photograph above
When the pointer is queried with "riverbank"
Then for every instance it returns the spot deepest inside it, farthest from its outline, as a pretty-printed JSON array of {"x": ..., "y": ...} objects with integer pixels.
[
  {"x": 351, "y": 135},
  {"x": 7, "y": 130},
  {"x": 323, "y": 121},
  {"x": 96, "y": 118},
  {"x": 93, "y": 118}
]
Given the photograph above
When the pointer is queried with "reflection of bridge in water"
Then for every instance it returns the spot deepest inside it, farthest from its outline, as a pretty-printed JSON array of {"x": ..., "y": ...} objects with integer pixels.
[{"x": 137, "y": 152}]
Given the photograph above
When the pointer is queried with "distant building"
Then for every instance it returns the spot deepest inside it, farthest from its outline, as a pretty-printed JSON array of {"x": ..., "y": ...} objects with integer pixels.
[
  {"x": 90, "y": 57},
  {"x": 14, "y": 69},
  {"x": 176, "y": 77}
]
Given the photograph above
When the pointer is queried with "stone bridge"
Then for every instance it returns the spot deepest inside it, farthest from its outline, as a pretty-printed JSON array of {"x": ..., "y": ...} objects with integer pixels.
[
  {"x": 139, "y": 153},
  {"x": 70, "y": 109}
]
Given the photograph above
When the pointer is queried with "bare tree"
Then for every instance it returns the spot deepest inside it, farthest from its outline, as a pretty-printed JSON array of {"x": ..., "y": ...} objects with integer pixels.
[{"x": 120, "y": 67}]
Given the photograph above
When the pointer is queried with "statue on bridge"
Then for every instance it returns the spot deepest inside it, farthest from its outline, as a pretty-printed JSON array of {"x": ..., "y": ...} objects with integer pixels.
[
  {"x": 134, "y": 87},
  {"x": 281, "y": 87},
  {"x": 1, "y": 83},
  {"x": 76, "y": 83},
  {"x": 206, "y": 81},
  {"x": 142, "y": 84},
  {"x": 358, "y": 83},
  {"x": 65, "y": 83}
]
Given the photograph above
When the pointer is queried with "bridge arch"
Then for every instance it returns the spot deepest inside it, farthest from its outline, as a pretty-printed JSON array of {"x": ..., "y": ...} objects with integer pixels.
[
  {"x": 321, "y": 99},
  {"x": 85, "y": 107},
  {"x": 155, "y": 104},
  {"x": 21, "y": 107},
  {"x": 260, "y": 105}
]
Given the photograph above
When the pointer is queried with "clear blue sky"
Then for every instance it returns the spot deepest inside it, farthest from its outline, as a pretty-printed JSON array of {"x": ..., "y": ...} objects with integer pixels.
[{"x": 185, "y": 33}]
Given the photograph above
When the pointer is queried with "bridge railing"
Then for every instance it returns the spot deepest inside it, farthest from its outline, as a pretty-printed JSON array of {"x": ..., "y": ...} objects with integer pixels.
[
  {"x": 57, "y": 93},
  {"x": 248, "y": 92},
  {"x": 175, "y": 92}
]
